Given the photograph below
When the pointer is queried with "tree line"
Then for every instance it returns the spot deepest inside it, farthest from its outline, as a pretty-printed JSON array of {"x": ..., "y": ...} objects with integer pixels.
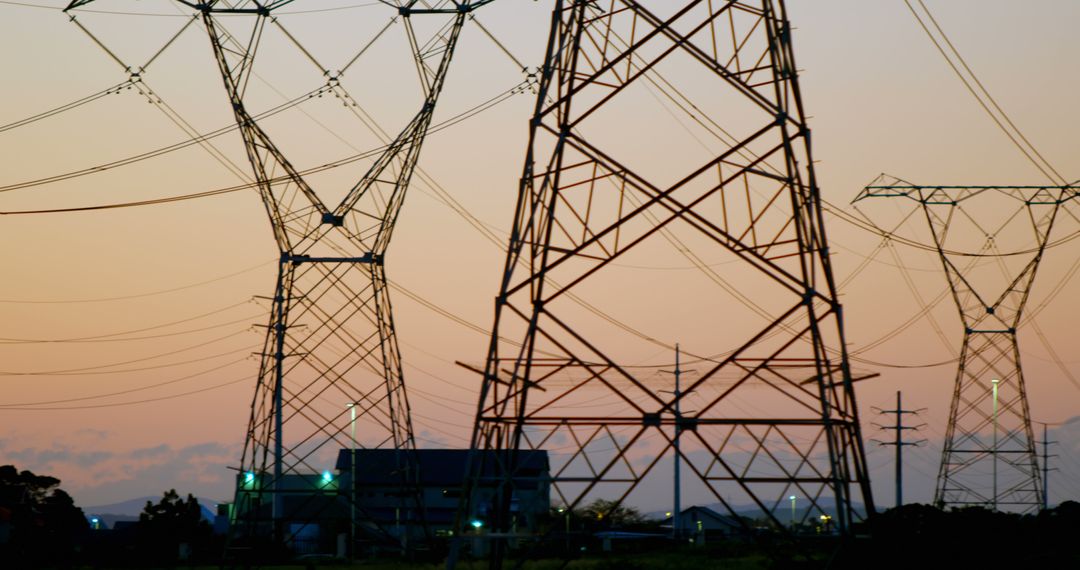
[{"x": 40, "y": 526}]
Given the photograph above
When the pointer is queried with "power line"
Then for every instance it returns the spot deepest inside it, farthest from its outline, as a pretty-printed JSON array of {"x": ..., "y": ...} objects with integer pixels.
[
  {"x": 468, "y": 113},
  {"x": 112, "y": 337},
  {"x": 159, "y": 14},
  {"x": 98, "y": 369},
  {"x": 26, "y": 405},
  {"x": 132, "y": 402},
  {"x": 870, "y": 227},
  {"x": 156, "y": 152},
  {"x": 113, "y": 90},
  {"x": 29, "y": 5},
  {"x": 138, "y": 295},
  {"x": 982, "y": 95}
]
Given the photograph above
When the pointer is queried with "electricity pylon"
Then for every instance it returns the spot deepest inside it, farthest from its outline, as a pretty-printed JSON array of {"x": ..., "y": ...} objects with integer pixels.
[
  {"x": 331, "y": 350},
  {"x": 587, "y": 199},
  {"x": 989, "y": 456}
]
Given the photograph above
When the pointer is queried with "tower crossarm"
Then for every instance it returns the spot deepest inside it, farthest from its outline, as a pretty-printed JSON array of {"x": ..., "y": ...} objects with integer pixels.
[
  {"x": 982, "y": 308},
  {"x": 215, "y": 6}
]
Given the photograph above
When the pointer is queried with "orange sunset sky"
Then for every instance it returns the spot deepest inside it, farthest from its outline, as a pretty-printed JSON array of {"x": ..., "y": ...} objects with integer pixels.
[{"x": 126, "y": 334}]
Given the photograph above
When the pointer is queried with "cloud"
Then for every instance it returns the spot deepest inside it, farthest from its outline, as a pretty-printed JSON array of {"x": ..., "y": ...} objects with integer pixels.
[
  {"x": 428, "y": 439},
  {"x": 147, "y": 452},
  {"x": 97, "y": 476},
  {"x": 41, "y": 460},
  {"x": 91, "y": 433},
  {"x": 1067, "y": 436}
]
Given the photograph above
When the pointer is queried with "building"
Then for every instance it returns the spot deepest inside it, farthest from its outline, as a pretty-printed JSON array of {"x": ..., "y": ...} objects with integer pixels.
[
  {"x": 383, "y": 495},
  {"x": 312, "y": 513},
  {"x": 377, "y": 509},
  {"x": 699, "y": 523}
]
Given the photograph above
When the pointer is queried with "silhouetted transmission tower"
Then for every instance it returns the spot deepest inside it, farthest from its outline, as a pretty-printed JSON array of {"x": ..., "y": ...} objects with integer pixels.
[
  {"x": 989, "y": 456},
  {"x": 331, "y": 362},
  {"x": 604, "y": 182}
]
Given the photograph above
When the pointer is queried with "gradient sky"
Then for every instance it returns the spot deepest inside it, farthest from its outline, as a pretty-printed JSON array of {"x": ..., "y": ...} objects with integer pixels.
[{"x": 880, "y": 98}]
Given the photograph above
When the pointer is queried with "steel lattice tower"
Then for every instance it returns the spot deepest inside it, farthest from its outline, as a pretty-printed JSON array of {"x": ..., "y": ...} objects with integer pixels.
[
  {"x": 581, "y": 208},
  {"x": 331, "y": 339},
  {"x": 989, "y": 456}
]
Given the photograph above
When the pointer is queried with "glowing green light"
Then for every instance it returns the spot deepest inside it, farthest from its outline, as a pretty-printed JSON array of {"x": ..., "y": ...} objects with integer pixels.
[
  {"x": 249, "y": 478},
  {"x": 477, "y": 524},
  {"x": 327, "y": 477}
]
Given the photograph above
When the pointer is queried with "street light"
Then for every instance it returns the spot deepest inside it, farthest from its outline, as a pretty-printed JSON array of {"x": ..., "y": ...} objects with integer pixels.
[
  {"x": 352, "y": 479},
  {"x": 792, "y": 498},
  {"x": 565, "y": 510},
  {"x": 994, "y": 390}
]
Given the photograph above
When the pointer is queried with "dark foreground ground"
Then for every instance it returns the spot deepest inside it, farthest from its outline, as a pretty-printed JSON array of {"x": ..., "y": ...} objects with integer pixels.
[{"x": 914, "y": 537}]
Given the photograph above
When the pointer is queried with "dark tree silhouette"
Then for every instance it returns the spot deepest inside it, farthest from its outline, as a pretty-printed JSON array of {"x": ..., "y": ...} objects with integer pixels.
[
  {"x": 602, "y": 513},
  {"x": 39, "y": 522},
  {"x": 174, "y": 529}
]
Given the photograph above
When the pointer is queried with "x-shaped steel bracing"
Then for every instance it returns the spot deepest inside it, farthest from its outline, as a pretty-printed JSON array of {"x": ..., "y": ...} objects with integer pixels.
[
  {"x": 581, "y": 208},
  {"x": 989, "y": 456}
]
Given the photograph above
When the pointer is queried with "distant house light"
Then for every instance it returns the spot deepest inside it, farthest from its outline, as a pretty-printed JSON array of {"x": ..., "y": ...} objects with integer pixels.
[{"x": 327, "y": 477}]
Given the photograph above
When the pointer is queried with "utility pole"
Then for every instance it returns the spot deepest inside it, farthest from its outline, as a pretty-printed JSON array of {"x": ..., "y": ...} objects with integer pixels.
[
  {"x": 994, "y": 502},
  {"x": 899, "y": 442},
  {"x": 1046, "y": 443},
  {"x": 352, "y": 478},
  {"x": 676, "y": 510}
]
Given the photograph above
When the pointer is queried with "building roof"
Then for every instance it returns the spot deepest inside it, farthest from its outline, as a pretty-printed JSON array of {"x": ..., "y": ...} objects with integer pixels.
[
  {"x": 437, "y": 466},
  {"x": 703, "y": 514}
]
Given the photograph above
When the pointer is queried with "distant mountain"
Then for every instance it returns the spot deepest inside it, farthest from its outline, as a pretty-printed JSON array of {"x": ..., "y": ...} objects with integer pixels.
[{"x": 129, "y": 510}]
